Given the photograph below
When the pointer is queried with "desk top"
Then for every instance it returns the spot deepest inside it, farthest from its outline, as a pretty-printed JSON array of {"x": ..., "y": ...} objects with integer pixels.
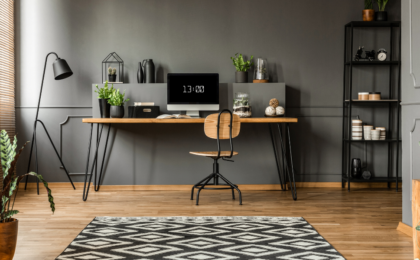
[{"x": 184, "y": 121}]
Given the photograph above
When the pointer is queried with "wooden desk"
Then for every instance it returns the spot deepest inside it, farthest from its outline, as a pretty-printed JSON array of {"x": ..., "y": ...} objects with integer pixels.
[
  {"x": 183, "y": 121},
  {"x": 287, "y": 159}
]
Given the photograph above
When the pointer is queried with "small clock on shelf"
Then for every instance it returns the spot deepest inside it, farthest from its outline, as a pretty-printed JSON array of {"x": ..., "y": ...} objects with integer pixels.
[{"x": 381, "y": 55}]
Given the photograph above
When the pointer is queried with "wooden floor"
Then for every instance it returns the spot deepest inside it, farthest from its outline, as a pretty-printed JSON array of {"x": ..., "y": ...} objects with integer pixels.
[{"x": 360, "y": 224}]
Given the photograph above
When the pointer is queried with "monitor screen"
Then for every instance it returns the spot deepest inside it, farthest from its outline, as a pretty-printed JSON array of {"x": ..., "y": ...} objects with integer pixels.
[{"x": 193, "y": 88}]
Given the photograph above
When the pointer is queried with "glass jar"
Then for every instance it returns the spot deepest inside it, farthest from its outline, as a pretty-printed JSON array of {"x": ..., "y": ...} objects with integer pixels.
[
  {"x": 241, "y": 105},
  {"x": 260, "y": 72}
]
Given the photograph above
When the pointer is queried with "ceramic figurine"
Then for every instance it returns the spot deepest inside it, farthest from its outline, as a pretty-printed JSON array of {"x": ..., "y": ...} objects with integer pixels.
[
  {"x": 279, "y": 111},
  {"x": 274, "y": 102},
  {"x": 270, "y": 111}
]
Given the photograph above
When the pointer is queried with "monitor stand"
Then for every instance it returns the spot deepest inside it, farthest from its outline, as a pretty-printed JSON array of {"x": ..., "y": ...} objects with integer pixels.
[{"x": 193, "y": 113}]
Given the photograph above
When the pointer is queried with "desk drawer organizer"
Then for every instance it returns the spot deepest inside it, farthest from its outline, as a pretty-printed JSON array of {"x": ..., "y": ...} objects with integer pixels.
[{"x": 143, "y": 111}]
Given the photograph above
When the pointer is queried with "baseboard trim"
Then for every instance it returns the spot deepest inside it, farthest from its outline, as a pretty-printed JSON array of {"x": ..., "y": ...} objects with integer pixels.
[
  {"x": 263, "y": 187},
  {"x": 406, "y": 229}
]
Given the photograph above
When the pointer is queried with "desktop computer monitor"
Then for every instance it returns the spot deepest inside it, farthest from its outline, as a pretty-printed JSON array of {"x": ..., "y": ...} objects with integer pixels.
[{"x": 192, "y": 92}]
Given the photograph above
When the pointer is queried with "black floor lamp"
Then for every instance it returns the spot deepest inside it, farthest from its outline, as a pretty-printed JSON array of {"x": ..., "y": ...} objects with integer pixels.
[{"x": 61, "y": 71}]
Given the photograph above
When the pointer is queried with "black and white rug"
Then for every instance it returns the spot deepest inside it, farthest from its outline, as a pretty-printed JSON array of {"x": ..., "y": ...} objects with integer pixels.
[{"x": 199, "y": 238}]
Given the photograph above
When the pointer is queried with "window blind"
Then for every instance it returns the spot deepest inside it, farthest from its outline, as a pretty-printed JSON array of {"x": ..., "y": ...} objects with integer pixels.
[{"x": 7, "y": 70}]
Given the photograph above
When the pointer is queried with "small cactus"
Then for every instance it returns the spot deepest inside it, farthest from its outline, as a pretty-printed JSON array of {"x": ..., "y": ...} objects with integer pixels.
[{"x": 112, "y": 71}]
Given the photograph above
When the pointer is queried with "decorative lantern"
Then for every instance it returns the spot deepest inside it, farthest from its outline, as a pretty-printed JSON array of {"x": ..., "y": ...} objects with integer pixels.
[
  {"x": 261, "y": 71},
  {"x": 113, "y": 68}
]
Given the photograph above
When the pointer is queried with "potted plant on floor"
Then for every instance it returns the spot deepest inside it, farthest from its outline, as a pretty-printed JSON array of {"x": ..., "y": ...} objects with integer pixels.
[
  {"x": 242, "y": 67},
  {"x": 368, "y": 13},
  {"x": 8, "y": 224},
  {"x": 381, "y": 15},
  {"x": 103, "y": 95},
  {"x": 112, "y": 74},
  {"x": 117, "y": 101}
]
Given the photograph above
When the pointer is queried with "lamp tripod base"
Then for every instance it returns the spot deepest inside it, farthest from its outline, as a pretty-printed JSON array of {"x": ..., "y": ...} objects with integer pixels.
[{"x": 36, "y": 155}]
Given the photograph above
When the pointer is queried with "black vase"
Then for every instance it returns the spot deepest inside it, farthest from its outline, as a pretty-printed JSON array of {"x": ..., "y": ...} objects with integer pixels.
[
  {"x": 149, "y": 71},
  {"x": 105, "y": 108},
  {"x": 112, "y": 78},
  {"x": 381, "y": 16},
  {"x": 356, "y": 165},
  {"x": 241, "y": 76},
  {"x": 140, "y": 77},
  {"x": 117, "y": 111}
]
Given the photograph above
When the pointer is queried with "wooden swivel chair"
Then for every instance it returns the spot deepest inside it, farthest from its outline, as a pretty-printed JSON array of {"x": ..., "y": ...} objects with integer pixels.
[{"x": 220, "y": 126}]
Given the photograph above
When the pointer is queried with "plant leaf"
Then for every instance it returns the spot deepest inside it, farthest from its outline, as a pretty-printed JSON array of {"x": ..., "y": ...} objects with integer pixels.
[
  {"x": 7, "y": 152},
  {"x": 10, "y": 213}
]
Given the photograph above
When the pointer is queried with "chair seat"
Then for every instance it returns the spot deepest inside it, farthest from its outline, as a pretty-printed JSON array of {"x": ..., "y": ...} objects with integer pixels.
[{"x": 214, "y": 154}]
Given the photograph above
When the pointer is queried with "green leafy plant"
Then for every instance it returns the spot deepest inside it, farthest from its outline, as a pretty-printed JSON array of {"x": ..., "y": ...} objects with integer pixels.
[
  {"x": 240, "y": 64},
  {"x": 368, "y": 4},
  {"x": 241, "y": 102},
  {"x": 117, "y": 99},
  {"x": 9, "y": 158},
  {"x": 381, "y": 4},
  {"x": 105, "y": 92},
  {"x": 112, "y": 71}
]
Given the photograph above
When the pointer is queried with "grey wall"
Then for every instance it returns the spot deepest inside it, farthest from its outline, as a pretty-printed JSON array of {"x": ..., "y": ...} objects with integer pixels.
[
  {"x": 410, "y": 103},
  {"x": 302, "y": 40}
]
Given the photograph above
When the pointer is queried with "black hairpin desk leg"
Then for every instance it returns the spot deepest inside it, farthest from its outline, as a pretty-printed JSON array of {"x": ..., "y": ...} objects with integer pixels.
[
  {"x": 280, "y": 173},
  {"x": 289, "y": 170},
  {"x": 95, "y": 161}
]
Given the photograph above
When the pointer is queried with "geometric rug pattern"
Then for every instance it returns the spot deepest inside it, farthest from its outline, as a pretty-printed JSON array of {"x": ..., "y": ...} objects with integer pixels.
[{"x": 199, "y": 238}]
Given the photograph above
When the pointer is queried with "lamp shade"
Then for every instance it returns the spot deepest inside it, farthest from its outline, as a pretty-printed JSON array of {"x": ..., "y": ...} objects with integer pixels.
[{"x": 61, "y": 69}]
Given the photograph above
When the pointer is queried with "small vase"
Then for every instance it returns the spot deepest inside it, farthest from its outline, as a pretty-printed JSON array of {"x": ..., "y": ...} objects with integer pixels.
[
  {"x": 112, "y": 78},
  {"x": 8, "y": 239},
  {"x": 149, "y": 71},
  {"x": 368, "y": 15},
  {"x": 140, "y": 77},
  {"x": 104, "y": 108},
  {"x": 381, "y": 16},
  {"x": 241, "y": 76},
  {"x": 117, "y": 111}
]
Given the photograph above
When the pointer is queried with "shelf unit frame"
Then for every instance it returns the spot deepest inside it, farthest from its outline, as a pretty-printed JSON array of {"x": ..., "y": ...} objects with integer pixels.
[{"x": 348, "y": 103}]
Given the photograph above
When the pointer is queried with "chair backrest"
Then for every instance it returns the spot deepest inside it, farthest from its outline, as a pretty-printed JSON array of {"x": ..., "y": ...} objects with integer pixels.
[{"x": 210, "y": 126}]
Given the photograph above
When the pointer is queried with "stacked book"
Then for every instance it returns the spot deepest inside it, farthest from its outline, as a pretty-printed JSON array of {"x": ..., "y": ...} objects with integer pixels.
[{"x": 143, "y": 104}]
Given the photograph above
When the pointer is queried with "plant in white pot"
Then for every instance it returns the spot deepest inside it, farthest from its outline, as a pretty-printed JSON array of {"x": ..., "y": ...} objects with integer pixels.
[
  {"x": 104, "y": 94},
  {"x": 116, "y": 100},
  {"x": 8, "y": 224},
  {"x": 242, "y": 67}
]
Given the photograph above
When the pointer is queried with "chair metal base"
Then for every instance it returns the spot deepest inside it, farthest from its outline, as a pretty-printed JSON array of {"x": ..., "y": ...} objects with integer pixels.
[{"x": 215, "y": 185}]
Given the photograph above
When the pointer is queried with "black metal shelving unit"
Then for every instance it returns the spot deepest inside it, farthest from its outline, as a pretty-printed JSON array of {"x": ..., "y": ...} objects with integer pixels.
[{"x": 393, "y": 103}]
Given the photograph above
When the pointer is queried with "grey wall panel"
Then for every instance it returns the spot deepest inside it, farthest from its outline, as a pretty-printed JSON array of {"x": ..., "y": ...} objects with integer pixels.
[
  {"x": 260, "y": 95},
  {"x": 75, "y": 136},
  {"x": 303, "y": 45},
  {"x": 411, "y": 105}
]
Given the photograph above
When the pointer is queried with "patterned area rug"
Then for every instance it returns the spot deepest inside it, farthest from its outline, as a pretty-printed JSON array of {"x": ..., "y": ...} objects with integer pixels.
[{"x": 199, "y": 238}]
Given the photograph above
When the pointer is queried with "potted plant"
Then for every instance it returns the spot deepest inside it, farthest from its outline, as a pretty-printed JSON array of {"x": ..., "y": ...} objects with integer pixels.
[
  {"x": 368, "y": 13},
  {"x": 103, "y": 95},
  {"x": 242, "y": 67},
  {"x": 381, "y": 15},
  {"x": 112, "y": 74},
  {"x": 116, "y": 100},
  {"x": 8, "y": 224}
]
